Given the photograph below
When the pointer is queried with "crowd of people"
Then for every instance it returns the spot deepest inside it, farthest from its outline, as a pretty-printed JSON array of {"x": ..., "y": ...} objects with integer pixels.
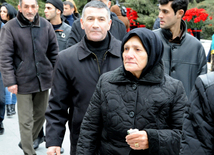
[{"x": 140, "y": 92}]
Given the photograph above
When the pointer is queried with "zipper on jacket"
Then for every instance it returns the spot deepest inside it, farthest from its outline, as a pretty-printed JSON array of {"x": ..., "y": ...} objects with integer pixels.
[
  {"x": 104, "y": 56},
  {"x": 97, "y": 63}
]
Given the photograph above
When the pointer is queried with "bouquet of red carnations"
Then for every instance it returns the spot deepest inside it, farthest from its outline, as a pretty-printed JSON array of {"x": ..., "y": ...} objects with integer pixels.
[
  {"x": 195, "y": 18},
  {"x": 132, "y": 16}
]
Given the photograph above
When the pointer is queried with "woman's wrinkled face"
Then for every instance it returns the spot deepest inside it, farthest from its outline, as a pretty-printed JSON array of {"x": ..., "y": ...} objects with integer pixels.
[
  {"x": 135, "y": 57},
  {"x": 3, "y": 12}
]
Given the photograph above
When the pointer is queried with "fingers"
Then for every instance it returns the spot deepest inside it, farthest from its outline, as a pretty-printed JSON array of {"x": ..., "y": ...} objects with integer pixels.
[
  {"x": 13, "y": 89},
  {"x": 138, "y": 140},
  {"x": 53, "y": 150}
]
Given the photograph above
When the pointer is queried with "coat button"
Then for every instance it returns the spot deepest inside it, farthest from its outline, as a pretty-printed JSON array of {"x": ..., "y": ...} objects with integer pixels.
[
  {"x": 131, "y": 114},
  {"x": 134, "y": 86},
  {"x": 172, "y": 69}
]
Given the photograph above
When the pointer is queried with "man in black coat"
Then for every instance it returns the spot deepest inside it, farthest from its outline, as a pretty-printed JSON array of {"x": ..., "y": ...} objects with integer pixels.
[
  {"x": 28, "y": 51},
  {"x": 198, "y": 125},
  {"x": 118, "y": 29},
  {"x": 76, "y": 73}
]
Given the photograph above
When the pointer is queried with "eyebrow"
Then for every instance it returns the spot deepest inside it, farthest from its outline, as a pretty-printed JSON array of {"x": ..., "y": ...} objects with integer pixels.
[
  {"x": 95, "y": 16},
  {"x": 132, "y": 45}
]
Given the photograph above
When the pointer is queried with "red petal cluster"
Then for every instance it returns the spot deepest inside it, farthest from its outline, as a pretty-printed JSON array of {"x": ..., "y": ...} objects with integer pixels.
[
  {"x": 132, "y": 16},
  {"x": 195, "y": 17}
]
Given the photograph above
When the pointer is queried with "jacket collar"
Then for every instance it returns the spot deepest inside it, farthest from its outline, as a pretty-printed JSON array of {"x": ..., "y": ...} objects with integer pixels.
[
  {"x": 85, "y": 52},
  {"x": 168, "y": 34},
  {"x": 61, "y": 28},
  {"x": 155, "y": 76},
  {"x": 24, "y": 22}
]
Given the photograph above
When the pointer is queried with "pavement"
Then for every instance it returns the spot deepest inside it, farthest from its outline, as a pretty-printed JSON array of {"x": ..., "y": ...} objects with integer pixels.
[{"x": 10, "y": 139}]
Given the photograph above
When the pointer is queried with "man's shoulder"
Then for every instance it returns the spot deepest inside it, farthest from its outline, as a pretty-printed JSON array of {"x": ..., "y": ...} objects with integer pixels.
[
  {"x": 65, "y": 26},
  {"x": 207, "y": 79},
  {"x": 157, "y": 30},
  {"x": 76, "y": 22},
  {"x": 11, "y": 22},
  {"x": 44, "y": 22},
  {"x": 117, "y": 20},
  {"x": 70, "y": 51},
  {"x": 192, "y": 38}
]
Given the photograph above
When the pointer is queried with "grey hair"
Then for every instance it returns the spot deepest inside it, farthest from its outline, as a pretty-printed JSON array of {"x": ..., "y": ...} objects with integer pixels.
[
  {"x": 68, "y": 3},
  {"x": 20, "y": 2},
  {"x": 98, "y": 5}
]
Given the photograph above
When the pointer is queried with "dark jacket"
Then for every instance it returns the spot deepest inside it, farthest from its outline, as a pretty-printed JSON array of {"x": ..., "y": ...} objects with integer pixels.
[
  {"x": 198, "y": 126},
  {"x": 75, "y": 77},
  {"x": 156, "y": 24},
  {"x": 62, "y": 34},
  {"x": 118, "y": 30},
  {"x": 184, "y": 61},
  {"x": 27, "y": 54},
  {"x": 75, "y": 17},
  {"x": 154, "y": 102}
]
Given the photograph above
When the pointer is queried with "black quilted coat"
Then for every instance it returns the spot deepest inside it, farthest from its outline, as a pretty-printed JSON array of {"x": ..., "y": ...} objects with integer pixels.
[
  {"x": 198, "y": 127},
  {"x": 155, "y": 103}
]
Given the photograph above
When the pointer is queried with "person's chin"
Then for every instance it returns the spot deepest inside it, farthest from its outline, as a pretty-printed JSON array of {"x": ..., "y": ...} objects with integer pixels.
[
  {"x": 162, "y": 26},
  {"x": 96, "y": 38}
]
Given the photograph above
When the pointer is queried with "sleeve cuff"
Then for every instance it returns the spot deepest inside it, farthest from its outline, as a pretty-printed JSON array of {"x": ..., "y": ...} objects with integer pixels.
[{"x": 153, "y": 141}]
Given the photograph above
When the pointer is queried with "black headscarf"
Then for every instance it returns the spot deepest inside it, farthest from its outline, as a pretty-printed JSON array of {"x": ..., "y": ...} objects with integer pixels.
[
  {"x": 152, "y": 44},
  {"x": 11, "y": 11}
]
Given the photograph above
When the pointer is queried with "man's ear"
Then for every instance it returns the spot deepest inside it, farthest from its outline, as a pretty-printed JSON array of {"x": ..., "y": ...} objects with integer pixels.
[
  {"x": 58, "y": 12},
  {"x": 72, "y": 10},
  {"x": 19, "y": 8},
  {"x": 180, "y": 13},
  {"x": 81, "y": 22},
  {"x": 109, "y": 24}
]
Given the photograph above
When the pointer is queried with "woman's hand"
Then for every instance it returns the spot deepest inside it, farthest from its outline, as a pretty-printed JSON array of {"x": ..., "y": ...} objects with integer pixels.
[{"x": 138, "y": 140}]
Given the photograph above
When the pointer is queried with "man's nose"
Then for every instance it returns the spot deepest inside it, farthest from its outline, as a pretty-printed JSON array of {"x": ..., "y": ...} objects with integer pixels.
[
  {"x": 160, "y": 15},
  {"x": 95, "y": 23},
  {"x": 30, "y": 9}
]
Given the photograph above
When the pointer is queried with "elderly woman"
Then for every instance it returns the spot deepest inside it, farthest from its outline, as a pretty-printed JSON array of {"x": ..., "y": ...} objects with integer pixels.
[{"x": 137, "y": 95}]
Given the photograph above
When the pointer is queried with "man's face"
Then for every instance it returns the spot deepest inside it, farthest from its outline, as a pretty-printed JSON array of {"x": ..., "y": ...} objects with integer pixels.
[
  {"x": 50, "y": 11},
  {"x": 95, "y": 22},
  {"x": 68, "y": 10},
  {"x": 167, "y": 16},
  {"x": 29, "y": 9}
]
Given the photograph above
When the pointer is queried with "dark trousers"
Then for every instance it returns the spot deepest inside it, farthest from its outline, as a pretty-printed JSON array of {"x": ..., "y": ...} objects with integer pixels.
[{"x": 2, "y": 100}]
